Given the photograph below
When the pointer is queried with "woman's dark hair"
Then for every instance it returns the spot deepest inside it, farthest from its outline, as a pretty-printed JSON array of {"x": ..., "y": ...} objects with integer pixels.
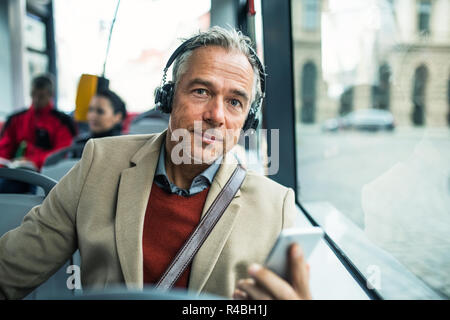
[{"x": 116, "y": 102}]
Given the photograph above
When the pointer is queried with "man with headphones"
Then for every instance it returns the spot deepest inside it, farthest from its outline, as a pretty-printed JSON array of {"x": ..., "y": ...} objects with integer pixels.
[{"x": 137, "y": 206}]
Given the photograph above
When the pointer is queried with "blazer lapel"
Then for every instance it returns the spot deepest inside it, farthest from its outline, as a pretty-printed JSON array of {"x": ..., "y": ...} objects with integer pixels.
[
  {"x": 206, "y": 258},
  {"x": 134, "y": 191}
]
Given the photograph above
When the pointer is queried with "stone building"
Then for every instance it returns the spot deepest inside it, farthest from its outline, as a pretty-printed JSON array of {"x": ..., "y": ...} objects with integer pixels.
[{"x": 408, "y": 75}]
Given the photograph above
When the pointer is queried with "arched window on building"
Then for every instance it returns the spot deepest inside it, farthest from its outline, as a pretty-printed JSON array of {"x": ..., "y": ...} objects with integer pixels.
[
  {"x": 381, "y": 92},
  {"x": 420, "y": 81},
  {"x": 424, "y": 13},
  {"x": 311, "y": 15},
  {"x": 346, "y": 101},
  {"x": 309, "y": 80}
]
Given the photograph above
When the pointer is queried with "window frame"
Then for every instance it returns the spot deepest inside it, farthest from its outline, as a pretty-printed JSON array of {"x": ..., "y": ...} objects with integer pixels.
[{"x": 279, "y": 113}]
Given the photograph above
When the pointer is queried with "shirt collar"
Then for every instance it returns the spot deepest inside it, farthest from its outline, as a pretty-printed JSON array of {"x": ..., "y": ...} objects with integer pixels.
[{"x": 208, "y": 174}]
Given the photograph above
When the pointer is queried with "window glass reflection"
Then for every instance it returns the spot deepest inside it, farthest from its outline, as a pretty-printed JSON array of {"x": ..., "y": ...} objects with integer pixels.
[{"x": 373, "y": 115}]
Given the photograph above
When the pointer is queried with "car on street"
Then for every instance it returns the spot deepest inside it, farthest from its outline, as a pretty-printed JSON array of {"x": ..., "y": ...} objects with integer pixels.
[{"x": 364, "y": 119}]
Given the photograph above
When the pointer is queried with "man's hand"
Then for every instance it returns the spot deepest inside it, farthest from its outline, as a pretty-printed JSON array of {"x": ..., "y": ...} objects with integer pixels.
[{"x": 266, "y": 285}]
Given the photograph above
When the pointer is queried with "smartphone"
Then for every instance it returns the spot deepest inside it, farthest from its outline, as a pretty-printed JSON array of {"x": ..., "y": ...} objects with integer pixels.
[{"x": 307, "y": 238}]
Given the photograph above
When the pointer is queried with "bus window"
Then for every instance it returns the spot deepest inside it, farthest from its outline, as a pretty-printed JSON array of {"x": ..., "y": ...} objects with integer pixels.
[
  {"x": 144, "y": 37},
  {"x": 372, "y": 135}
]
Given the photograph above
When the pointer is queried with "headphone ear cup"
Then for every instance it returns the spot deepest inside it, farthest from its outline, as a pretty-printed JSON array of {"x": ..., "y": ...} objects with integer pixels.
[
  {"x": 248, "y": 122},
  {"x": 252, "y": 121},
  {"x": 255, "y": 123},
  {"x": 164, "y": 97}
]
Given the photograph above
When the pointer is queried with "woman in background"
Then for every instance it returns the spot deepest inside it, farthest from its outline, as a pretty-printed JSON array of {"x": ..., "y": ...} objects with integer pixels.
[{"x": 105, "y": 117}]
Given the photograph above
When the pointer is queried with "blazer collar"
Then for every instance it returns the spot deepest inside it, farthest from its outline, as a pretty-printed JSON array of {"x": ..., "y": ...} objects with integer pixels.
[
  {"x": 134, "y": 191},
  {"x": 151, "y": 147}
]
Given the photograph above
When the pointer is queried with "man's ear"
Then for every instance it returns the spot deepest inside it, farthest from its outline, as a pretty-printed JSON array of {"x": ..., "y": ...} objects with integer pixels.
[{"x": 118, "y": 117}]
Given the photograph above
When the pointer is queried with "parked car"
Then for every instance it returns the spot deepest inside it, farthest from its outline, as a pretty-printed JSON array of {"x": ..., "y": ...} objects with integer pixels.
[{"x": 364, "y": 119}]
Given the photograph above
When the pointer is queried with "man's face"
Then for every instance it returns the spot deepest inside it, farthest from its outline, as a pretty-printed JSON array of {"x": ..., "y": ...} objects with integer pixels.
[
  {"x": 214, "y": 92},
  {"x": 40, "y": 97}
]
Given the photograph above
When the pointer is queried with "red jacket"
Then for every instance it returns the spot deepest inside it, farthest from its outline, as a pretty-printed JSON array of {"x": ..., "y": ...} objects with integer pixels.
[{"x": 45, "y": 131}]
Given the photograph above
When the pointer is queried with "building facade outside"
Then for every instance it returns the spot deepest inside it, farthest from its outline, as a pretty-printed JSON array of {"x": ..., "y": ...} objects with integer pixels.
[{"x": 402, "y": 63}]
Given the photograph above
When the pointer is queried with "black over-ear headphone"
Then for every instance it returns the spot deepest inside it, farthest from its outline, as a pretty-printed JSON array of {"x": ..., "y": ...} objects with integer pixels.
[{"x": 164, "y": 93}]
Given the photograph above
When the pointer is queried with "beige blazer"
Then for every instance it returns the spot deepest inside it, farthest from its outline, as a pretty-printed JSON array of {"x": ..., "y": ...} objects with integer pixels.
[{"x": 99, "y": 207}]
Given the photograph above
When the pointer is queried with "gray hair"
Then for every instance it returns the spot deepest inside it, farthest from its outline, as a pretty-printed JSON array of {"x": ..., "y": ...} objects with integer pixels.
[{"x": 229, "y": 39}]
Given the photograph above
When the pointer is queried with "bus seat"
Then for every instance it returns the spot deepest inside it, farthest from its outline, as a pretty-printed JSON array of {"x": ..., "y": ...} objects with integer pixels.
[
  {"x": 148, "y": 293},
  {"x": 151, "y": 121},
  {"x": 59, "y": 170},
  {"x": 82, "y": 127},
  {"x": 64, "y": 153},
  {"x": 147, "y": 126},
  {"x": 60, "y": 162},
  {"x": 14, "y": 208}
]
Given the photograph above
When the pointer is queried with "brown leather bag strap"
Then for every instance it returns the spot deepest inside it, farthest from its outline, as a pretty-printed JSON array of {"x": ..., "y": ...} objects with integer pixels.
[{"x": 204, "y": 228}]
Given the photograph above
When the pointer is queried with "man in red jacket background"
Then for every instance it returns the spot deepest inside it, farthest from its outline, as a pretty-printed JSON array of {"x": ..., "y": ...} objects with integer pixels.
[{"x": 32, "y": 134}]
